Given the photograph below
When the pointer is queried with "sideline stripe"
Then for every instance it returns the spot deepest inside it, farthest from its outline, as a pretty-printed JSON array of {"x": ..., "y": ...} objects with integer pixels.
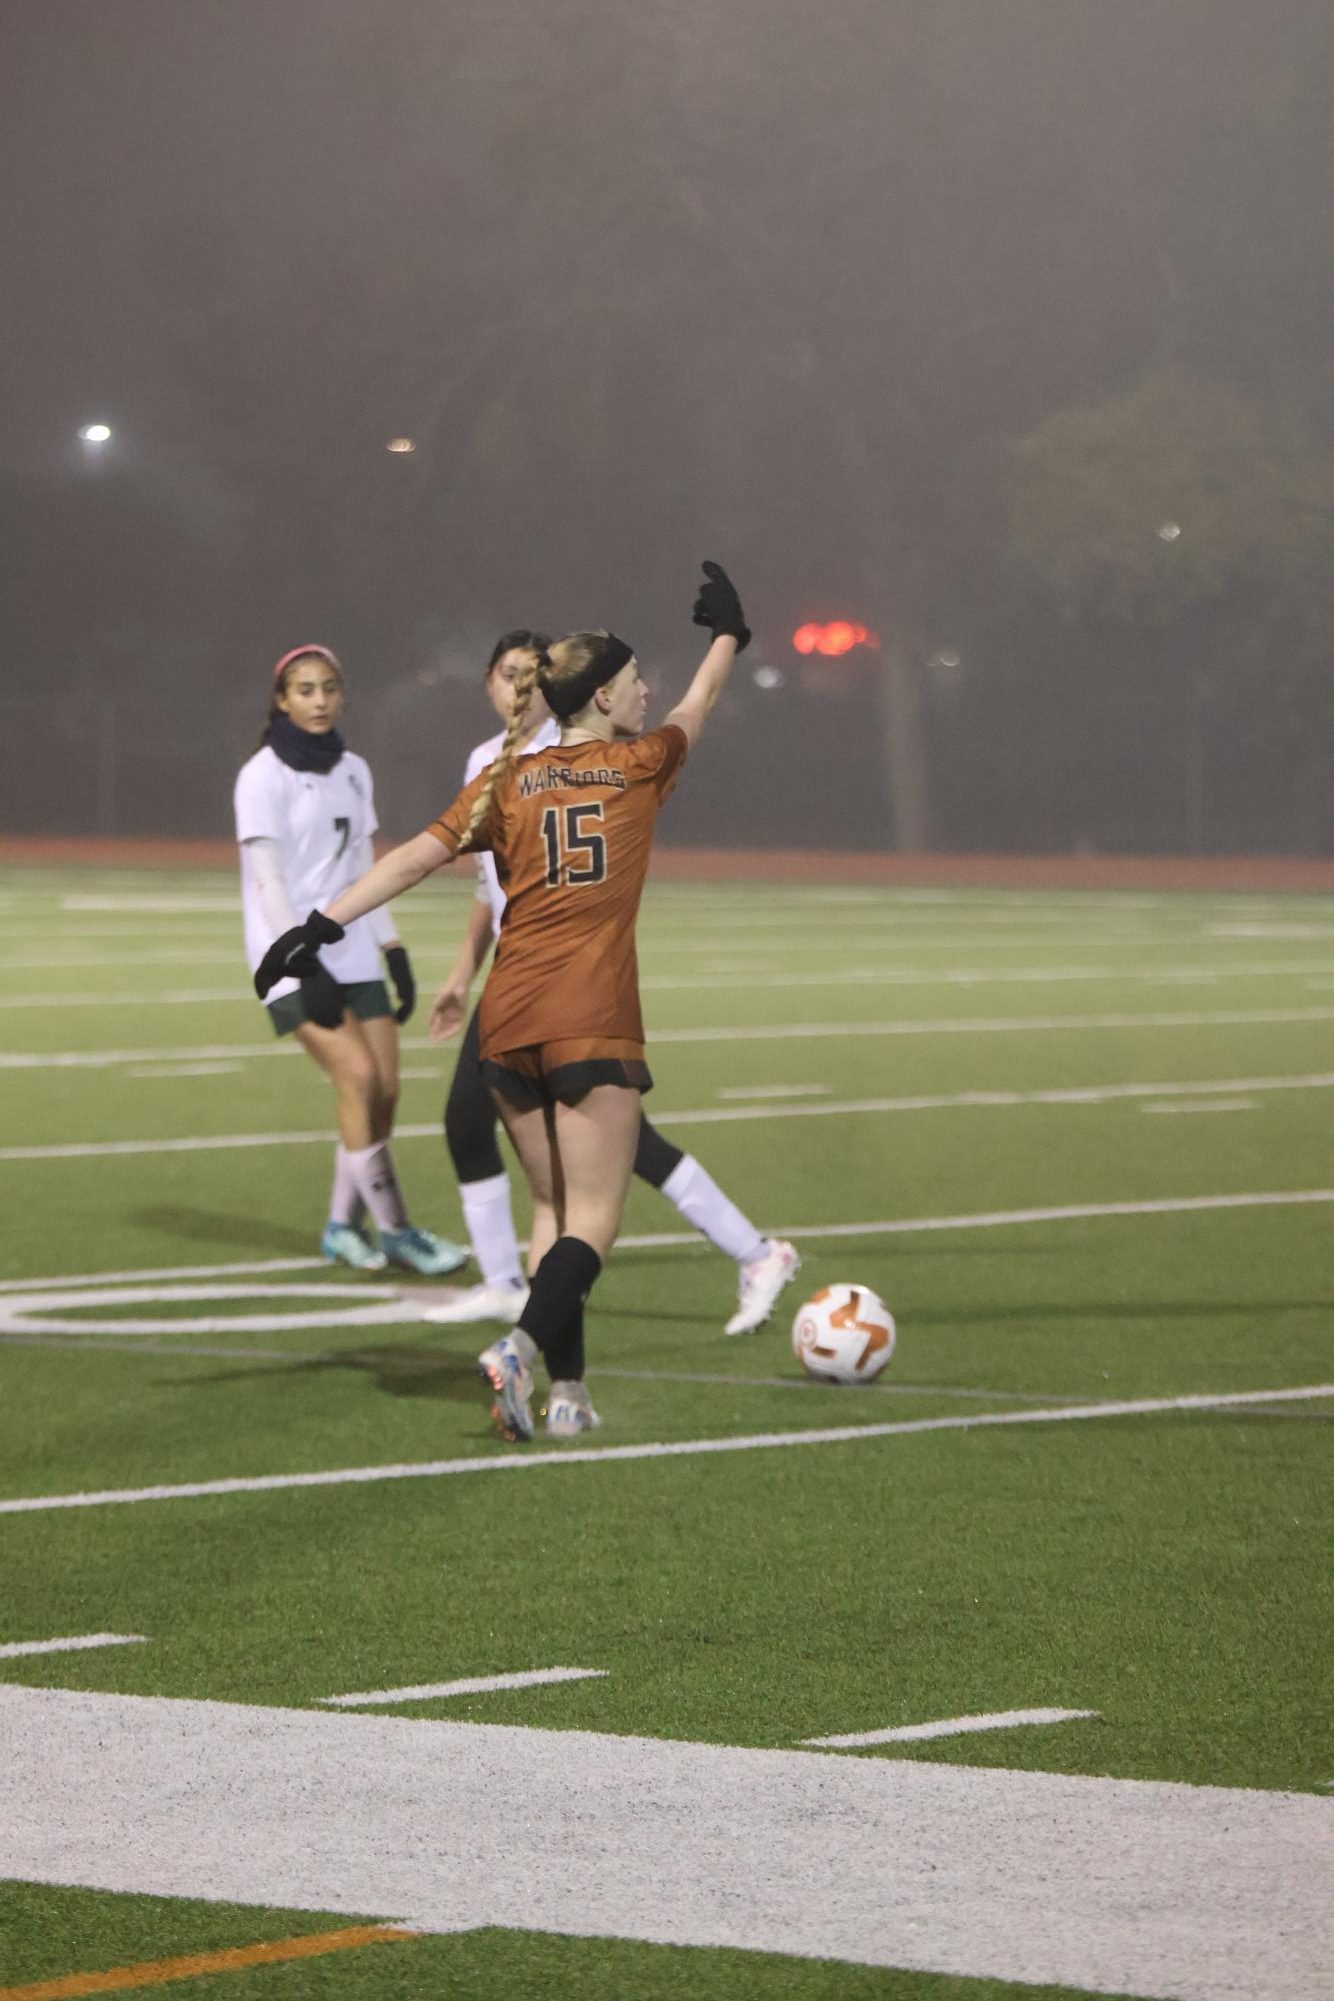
[
  {"x": 788, "y": 1031},
  {"x": 689, "y": 1448},
  {"x": 477, "y": 1684},
  {"x": 902, "y": 1226},
  {"x": 15, "y": 1649},
  {"x": 156, "y": 1972},
  {"x": 1078, "y": 1094},
  {"x": 950, "y": 1726}
]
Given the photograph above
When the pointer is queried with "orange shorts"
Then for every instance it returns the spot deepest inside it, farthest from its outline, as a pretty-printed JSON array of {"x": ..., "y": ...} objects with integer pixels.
[{"x": 548, "y": 1073}]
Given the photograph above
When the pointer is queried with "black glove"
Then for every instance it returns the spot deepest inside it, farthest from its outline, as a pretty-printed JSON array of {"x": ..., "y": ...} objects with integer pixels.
[
  {"x": 400, "y": 972},
  {"x": 719, "y": 607},
  {"x": 293, "y": 956},
  {"x": 322, "y": 998}
]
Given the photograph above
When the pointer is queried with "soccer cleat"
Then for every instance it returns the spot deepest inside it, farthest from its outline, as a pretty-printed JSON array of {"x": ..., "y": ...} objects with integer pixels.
[
  {"x": 342, "y": 1245},
  {"x": 421, "y": 1251},
  {"x": 761, "y": 1282},
  {"x": 480, "y": 1302},
  {"x": 569, "y": 1412},
  {"x": 503, "y": 1366}
]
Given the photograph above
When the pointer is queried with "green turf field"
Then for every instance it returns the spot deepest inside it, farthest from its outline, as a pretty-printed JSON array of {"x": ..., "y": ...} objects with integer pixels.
[{"x": 1081, "y": 1146}]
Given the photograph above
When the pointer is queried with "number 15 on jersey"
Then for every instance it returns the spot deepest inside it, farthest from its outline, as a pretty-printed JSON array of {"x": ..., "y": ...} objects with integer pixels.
[{"x": 576, "y": 846}]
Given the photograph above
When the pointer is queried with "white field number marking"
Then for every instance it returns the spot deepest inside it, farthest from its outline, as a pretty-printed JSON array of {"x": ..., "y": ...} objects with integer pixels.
[{"x": 477, "y": 1684}]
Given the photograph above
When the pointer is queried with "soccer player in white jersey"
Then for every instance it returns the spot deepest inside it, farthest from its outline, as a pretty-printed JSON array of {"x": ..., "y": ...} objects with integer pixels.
[
  {"x": 765, "y": 1263},
  {"x": 305, "y": 817}
]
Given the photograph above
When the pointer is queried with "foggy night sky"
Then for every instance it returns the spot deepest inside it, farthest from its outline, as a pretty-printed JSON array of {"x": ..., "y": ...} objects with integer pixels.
[{"x": 775, "y": 282}]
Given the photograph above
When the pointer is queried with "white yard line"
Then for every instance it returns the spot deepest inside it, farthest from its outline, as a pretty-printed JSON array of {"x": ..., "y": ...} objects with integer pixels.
[
  {"x": 521, "y": 1461},
  {"x": 1078, "y": 1094},
  {"x": 855, "y": 976},
  {"x": 78, "y": 1643},
  {"x": 791, "y": 1031},
  {"x": 993, "y": 1219},
  {"x": 477, "y": 1684},
  {"x": 950, "y": 1726}
]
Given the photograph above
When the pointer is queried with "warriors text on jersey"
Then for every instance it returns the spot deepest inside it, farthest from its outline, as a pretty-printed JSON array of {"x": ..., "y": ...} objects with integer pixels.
[
  {"x": 323, "y": 822},
  {"x": 570, "y": 828}
]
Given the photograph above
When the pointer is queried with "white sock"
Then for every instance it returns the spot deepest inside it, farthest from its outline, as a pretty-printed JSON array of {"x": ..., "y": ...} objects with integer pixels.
[
  {"x": 345, "y": 1203},
  {"x": 372, "y": 1168},
  {"x": 702, "y": 1202},
  {"x": 490, "y": 1221}
]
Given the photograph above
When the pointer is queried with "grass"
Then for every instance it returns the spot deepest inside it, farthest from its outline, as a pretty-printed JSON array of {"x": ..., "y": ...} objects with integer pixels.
[{"x": 1161, "y": 1570}]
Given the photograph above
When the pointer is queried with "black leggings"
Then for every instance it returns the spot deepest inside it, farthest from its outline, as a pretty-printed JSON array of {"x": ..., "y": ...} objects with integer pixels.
[{"x": 471, "y": 1120}]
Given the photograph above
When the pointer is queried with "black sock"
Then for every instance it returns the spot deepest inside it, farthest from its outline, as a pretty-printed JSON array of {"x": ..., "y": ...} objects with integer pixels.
[{"x": 554, "y": 1314}]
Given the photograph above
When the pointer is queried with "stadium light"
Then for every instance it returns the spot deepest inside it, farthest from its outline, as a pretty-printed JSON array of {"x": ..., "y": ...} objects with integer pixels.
[
  {"x": 95, "y": 434},
  {"x": 832, "y": 640},
  {"x": 401, "y": 445},
  {"x": 1169, "y": 531}
]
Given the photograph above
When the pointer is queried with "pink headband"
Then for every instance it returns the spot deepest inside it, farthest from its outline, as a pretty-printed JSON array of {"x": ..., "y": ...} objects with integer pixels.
[{"x": 303, "y": 653}]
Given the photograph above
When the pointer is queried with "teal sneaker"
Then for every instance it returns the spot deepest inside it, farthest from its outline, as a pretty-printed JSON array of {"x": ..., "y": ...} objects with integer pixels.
[
  {"x": 420, "y": 1251},
  {"x": 342, "y": 1245}
]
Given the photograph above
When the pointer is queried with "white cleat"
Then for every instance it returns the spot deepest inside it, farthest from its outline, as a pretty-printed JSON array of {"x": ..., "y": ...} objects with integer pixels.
[
  {"x": 761, "y": 1282},
  {"x": 503, "y": 1303},
  {"x": 505, "y": 1366},
  {"x": 569, "y": 1411}
]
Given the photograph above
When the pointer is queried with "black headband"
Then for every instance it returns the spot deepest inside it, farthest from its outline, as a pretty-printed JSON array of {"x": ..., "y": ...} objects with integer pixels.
[{"x": 566, "y": 697}]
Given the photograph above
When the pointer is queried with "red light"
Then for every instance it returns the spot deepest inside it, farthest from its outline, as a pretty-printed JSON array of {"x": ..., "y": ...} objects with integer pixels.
[{"x": 832, "y": 640}]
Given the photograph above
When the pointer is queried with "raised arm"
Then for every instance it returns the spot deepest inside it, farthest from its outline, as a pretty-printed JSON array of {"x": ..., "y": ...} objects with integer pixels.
[
  {"x": 295, "y": 955},
  {"x": 402, "y": 868},
  {"x": 719, "y": 608}
]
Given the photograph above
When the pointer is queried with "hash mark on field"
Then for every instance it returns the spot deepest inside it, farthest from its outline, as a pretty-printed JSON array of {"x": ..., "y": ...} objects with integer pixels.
[
  {"x": 175, "y": 1070},
  {"x": 776, "y": 1091},
  {"x": 687, "y": 1448},
  {"x": 1204, "y": 1105},
  {"x": 950, "y": 1726},
  {"x": 476, "y": 1684},
  {"x": 157, "y": 1972},
  {"x": 79, "y": 1643}
]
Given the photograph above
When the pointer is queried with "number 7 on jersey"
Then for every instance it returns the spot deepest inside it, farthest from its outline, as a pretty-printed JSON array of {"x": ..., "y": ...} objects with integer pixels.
[{"x": 575, "y": 856}]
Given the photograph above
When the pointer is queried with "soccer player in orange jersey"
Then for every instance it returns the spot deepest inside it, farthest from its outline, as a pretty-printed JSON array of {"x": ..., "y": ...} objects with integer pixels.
[
  {"x": 764, "y": 1265},
  {"x": 561, "y": 1033}
]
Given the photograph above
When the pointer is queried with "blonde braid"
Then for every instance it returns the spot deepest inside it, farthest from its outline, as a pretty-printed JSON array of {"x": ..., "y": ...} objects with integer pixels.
[{"x": 524, "y": 683}]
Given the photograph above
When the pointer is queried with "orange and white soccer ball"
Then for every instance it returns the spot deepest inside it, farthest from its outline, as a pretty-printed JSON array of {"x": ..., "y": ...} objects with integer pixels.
[{"x": 844, "y": 1334}]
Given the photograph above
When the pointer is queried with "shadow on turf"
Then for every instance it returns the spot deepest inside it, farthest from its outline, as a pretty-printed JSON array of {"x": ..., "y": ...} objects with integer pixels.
[
  {"x": 399, "y": 1371},
  {"x": 206, "y": 1226}
]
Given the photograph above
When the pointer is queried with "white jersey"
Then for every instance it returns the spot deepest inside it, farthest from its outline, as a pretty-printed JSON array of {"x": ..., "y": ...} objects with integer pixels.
[
  {"x": 488, "y": 882},
  {"x": 323, "y": 822}
]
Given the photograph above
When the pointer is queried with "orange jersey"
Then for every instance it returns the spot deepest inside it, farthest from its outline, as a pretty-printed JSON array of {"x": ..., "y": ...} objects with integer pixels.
[{"x": 570, "y": 828}]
